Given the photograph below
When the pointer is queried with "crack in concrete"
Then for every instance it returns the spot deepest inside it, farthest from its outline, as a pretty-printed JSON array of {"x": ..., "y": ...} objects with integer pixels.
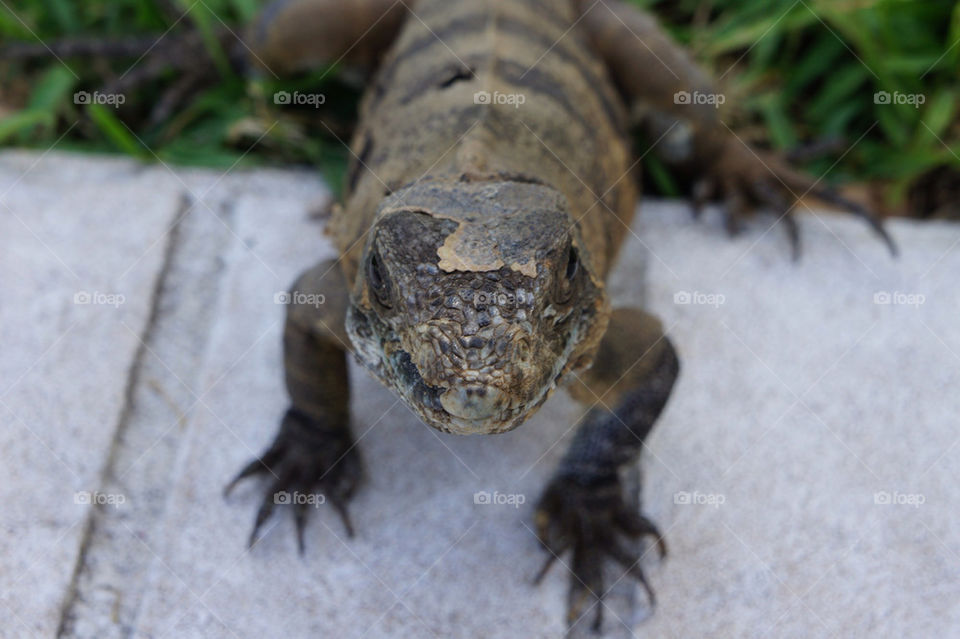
[
  {"x": 148, "y": 431},
  {"x": 133, "y": 377}
]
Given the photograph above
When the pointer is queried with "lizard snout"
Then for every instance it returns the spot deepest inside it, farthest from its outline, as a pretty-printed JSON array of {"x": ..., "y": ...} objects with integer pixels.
[{"x": 473, "y": 402}]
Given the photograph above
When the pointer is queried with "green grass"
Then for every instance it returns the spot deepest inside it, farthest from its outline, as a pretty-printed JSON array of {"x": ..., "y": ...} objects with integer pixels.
[
  {"x": 808, "y": 71},
  {"x": 217, "y": 127},
  {"x": 798, "y": 73}
]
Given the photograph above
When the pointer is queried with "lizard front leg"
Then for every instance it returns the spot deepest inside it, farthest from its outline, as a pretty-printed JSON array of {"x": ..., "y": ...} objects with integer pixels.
[
  {"x": 296, "y": 35},
  {"x": 584, "y": 509},
  {"x": 313, "y": 458},
  {"x": 655, "y": 75}
]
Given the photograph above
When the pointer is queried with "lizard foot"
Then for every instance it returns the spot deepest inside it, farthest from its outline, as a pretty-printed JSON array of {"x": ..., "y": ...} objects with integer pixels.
[
  {"x": 593, "y": 521},
  {"x": 310, "y": 463},
  {"x": 746, "y": 178}
]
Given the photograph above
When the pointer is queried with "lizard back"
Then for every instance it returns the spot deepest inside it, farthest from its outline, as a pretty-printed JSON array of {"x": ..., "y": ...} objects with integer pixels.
[{"x": 492, "y": 90}]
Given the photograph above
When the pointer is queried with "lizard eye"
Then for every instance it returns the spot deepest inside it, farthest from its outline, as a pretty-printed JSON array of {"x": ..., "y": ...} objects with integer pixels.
[
  {"x": 565, "y": 284},
  {"x": 377, "y": 278},
  {"x": 573, "y": 264}
]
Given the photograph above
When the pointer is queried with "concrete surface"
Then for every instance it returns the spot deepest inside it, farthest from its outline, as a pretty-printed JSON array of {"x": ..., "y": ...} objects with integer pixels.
[{"x": 804, "y": 472}]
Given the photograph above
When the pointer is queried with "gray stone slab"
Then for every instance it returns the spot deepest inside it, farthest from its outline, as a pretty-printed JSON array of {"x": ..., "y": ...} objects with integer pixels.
[
  {"x": 168, "y": 388},
  {"x": 805, "y": 403},
  {"x": 825, "y": 420},
  {"x": 77, "y": 270}
]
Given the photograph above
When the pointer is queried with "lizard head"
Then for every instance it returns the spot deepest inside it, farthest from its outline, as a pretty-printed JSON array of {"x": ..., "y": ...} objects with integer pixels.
[{"x": 473, "y": 300}]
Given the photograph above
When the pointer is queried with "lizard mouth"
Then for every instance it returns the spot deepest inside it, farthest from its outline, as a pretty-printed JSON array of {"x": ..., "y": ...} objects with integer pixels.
[
  {"x": 433, "y": 403},
  {"x": 462, "y": 405},
  {"x": 424, "y": 394}
]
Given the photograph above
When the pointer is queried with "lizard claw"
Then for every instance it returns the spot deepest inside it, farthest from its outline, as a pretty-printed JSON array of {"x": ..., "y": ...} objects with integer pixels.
[
  {"x": 310, "y": 464},
  {"x": 746, "y": 179},
  {"x": 593, "y": 521}
]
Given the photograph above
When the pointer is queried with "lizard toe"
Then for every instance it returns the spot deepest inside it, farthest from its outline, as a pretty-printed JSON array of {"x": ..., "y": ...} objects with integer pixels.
[
  {"x": 310, "y": 464},
  {"x": 596, "y": 524},
  {"x": 770, "y": 196}
]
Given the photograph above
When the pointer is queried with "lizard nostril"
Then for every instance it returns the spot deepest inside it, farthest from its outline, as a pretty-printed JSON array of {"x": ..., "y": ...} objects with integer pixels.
[{"x": 522, "y": 348}]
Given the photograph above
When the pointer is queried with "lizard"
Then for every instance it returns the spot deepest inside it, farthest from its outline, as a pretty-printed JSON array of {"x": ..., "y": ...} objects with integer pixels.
[{"x": 489, "y": 193}]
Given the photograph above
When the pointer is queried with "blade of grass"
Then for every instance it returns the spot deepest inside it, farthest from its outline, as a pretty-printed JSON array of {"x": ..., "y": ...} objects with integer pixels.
[
  {"x": 24, "y": 122},
  {"x": 661, "y": 176},
  {"x": 743, "y": 38},
  {"x": 779, "y": 123},
  {"x": 52, "y": 90},
  {"x": 48, "y": 96},
  {"x": 938, "y": 114},
  {"x": 114, "y": 130},
  {"x": 836, "y": 124},
  {"x": 842, "y": 86},
  {"x": 246, "y": 9},
  {"x": 204, "y": 19}
]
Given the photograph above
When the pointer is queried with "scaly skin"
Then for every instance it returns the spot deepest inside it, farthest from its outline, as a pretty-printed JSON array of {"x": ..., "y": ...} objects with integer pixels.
[
  {"x": 475, "y": 301},
  {"x": 476, "y": 236},
  {"x": 480, "y": 170}
]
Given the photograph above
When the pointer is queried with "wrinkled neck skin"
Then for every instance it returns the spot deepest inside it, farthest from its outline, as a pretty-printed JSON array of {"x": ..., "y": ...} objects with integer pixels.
[{"x": 474, "y": 300}]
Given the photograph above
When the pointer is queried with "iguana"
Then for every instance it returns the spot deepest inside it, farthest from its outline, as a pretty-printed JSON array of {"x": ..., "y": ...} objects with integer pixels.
[{"x": 490, "y": 190}]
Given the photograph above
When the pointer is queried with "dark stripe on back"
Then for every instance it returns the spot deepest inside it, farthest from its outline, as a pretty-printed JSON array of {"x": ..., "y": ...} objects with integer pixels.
[
  {"x": 459, "y": 26},
  {"x": 434, "y": 76},
  {"x": 540, "y": 82},
  {"x": 437, "y": 77},
  {"x": 520, "y": 76},
  {"x": 601, "y": 85},
  {"x": 462, "y": 25}
]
